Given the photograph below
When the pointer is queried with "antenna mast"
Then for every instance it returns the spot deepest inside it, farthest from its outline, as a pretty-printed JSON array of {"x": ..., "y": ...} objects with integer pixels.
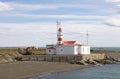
[{"x": 87, "y": 35}]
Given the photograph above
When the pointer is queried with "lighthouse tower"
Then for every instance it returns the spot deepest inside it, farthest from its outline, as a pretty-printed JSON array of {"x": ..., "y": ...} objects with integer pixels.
[
  {"x": 66, "y": 47},
  {"x": 59, "y": 34}
]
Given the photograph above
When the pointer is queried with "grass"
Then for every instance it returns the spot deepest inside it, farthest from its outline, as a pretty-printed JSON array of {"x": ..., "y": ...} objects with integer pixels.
[
  {"x": 39, "y": 51},
  {"x": 12, "y": 52},
  {"x": 7, "y": 54}
]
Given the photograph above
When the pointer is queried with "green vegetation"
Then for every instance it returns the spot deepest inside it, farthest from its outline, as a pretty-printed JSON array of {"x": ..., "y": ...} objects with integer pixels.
[
  {"x": 8, "y": 54},
  {"x": 12, "y": 52},
  {"x": 39, "y": 51}
]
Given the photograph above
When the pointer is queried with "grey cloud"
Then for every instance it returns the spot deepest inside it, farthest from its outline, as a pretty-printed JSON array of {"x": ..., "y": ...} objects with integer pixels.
[{"x": 111, "y": 25}]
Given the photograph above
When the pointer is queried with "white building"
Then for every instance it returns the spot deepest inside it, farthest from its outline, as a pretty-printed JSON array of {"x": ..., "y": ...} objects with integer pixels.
[{"x": 66, "y": 47}]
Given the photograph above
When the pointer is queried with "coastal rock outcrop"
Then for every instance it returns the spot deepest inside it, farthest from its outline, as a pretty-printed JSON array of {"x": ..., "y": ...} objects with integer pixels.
[{"x": 107, "y": 60}]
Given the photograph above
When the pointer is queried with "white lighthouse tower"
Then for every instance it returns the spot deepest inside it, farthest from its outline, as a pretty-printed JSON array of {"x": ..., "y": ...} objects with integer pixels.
[{"x": 59, "y": 34}]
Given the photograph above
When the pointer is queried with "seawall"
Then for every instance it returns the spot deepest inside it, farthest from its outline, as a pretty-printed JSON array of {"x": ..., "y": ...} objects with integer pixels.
[{"x": 61, "y": 58}]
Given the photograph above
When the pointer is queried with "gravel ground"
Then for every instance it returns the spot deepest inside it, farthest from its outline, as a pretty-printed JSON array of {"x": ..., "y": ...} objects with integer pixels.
[{"x": 22, "y": 70}]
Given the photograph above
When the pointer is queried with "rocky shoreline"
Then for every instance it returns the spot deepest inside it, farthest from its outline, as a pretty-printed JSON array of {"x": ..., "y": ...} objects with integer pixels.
[{"x": 107, "y": 60}]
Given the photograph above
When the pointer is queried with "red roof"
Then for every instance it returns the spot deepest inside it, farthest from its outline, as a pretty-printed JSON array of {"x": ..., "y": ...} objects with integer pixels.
[
  {"x": 51, "y": 48},
  {"x": 69, "y": 42}
]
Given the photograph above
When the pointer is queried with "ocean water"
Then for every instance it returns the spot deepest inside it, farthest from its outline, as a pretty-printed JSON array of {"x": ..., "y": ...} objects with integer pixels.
[
  {"x": 117, "y": 49},
  {"x": 98, "y": 72}
]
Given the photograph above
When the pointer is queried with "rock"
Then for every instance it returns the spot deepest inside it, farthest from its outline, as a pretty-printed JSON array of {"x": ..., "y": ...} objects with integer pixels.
[
  {"x": 98, "y": 61},
  {"x": 118, "y": 60},
  {"x": 92, "y": 62},
  {"x": 82, "y": 62},
  {"x": 18, "y": 58},
  {"x": 3, "y": 61},
  {"x": 73, "y": 62},
  {"x": 8, "y": 58},
  {"x": 110, "y": 62}
]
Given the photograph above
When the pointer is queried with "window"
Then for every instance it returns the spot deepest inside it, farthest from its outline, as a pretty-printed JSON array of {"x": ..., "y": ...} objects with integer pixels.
[
  {"x": 88, "y": 49},
  {"x": 83, "y": 49},
  {"x": 49, "y": 50}
]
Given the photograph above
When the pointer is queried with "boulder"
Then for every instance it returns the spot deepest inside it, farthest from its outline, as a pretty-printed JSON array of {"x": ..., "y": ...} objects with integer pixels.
[
  {"x": 8, "y": 58},
  {"x": 92, "y": 62},
  {"x": 82, "y": 62},
  {"x": 73, "y": 62}
]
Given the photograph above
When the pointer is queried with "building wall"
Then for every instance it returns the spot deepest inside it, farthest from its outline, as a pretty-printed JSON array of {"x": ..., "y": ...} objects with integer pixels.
[
  {"x": 69, "y": 49},
  {"x": 84, "y": 50},
  {"x": 50, "y": 51},
  {"x": 66, "y": 49},
  {"x": 76, "y": 50},
  {"x": 59, "y": 50}
]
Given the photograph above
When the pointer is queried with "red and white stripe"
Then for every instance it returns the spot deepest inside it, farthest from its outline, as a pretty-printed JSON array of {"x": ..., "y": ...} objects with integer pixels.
[{"x": 59, "y": 34}]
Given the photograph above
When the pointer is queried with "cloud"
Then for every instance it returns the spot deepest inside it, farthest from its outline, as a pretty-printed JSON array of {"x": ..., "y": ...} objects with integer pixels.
[
  {"x": 113, "y": 21},
  {"x": 56, "y": 16},
  {"x": 43, "y": 27},
  {"x": 44, "y": 33},
  {"x": 113, "y": 0},
  {"x": 19, "y": 6},
  {"x": 25, "y": 28},
  {"x": 5, "y": 7},
  {"x": 68, "y": 26},
  {"x": 25, "y": 34},
  {"x": 118, "y": 6},
  {"x": 31, "y": 6}
]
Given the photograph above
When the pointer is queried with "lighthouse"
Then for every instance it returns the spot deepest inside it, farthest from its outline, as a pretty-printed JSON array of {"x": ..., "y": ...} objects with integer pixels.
[
  {"x": 66, "y": 47},
  {"x": 59, "y": 34}
]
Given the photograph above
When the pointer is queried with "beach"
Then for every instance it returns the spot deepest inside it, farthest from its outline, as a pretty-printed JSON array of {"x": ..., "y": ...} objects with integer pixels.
[{"x": 27, "y": 69}]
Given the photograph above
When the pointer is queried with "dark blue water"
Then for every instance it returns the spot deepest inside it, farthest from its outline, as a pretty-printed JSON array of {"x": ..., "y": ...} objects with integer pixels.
[
  {"x": 117, "y": 49},
  {"x": 100, "y": 72}
]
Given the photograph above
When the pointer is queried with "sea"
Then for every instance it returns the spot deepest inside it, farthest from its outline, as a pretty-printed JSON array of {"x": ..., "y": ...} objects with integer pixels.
[
  {"x": 111, "y": 71},
  {"x": 117, "y": 49},
  {"x": 99, "y": 72}
]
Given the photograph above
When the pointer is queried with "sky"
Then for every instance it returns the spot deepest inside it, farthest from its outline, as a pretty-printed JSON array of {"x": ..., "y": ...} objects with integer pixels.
[{"x": 33, "y": 22}]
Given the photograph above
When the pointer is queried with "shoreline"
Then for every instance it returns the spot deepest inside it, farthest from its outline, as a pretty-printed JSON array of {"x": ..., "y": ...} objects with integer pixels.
[
  {"x": 30, "y": 69},
  {"x": 64, "y": 71}
]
